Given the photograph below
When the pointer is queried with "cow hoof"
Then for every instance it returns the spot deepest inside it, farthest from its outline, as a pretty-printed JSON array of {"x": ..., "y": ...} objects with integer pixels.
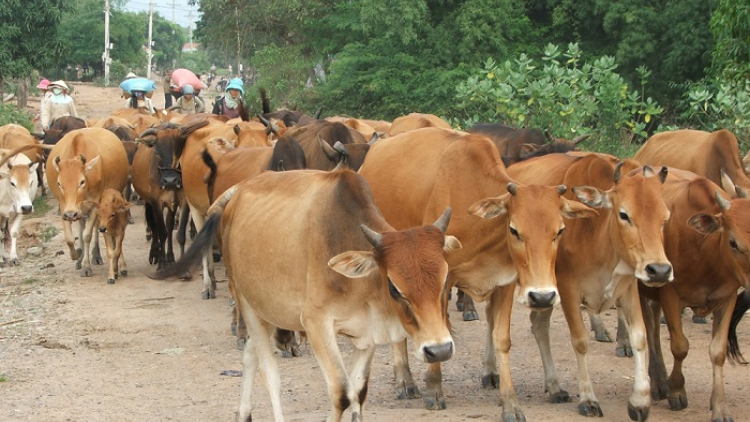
[
  {"x": 241, "y": 344},
  {"x": 79, "y": 265},
  {"x": 723, "y": 418},
  {"x": 624, "y": 351},
  {"x": 286, "y": 354},
  {"x": 110, "y": 281},
  {"x": 208, "y": 295},
  {"x": 678, "y": 403},
  {"x": 186, "y": 276},
  {"x": 131, "y": 221},
  {"x": 407, "y": 391},
  {"x": 87, "y": 272},
  {"x": 638, "y": 414},
  {"x": 491, "y": 381},
  {"x": 658, "y": 393},
  {"x": 699, "y": 320},
  {"x": 148, "y": 238},
  {"x": 471, "y": 316},
  {"x": 434, "y": 403},
  {"x": 603, "y": 337},
  {"x": 233, "y": 328},
  {"x": 460, "y": 306},
  {"x": 217, "y": 256},
  {"x": 561, "y": 396},
  {"x": 124, "y": 273},
  {"x": 516, "y": 416},
  {"x": 97, "y": 260},
  {"x": 589, "y": 408}
]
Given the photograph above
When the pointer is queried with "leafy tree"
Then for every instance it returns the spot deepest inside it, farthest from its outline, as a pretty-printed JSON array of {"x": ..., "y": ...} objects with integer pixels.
[{"x": 730, "y": 26}]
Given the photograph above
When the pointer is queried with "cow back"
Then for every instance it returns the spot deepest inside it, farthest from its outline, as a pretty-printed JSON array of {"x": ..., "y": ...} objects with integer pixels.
[
  {"x": 417, "y": 121},
  {"x": 13, "y": 136}
]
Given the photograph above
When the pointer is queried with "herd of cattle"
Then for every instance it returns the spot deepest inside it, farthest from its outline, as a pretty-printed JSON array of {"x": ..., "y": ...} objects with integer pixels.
[{"x": 389, "y": 216}]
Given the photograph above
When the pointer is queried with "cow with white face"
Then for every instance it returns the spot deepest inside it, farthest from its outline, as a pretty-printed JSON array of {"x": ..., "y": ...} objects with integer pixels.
[{"x": 17, "y": 191}]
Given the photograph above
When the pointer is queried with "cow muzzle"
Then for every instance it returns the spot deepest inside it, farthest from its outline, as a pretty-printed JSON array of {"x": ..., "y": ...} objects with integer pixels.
[
  {"x": 657, "y": 275},
  {"x": 540, "y": 299},
  {"x": 71, "y": 215},
  {"x": 438, "y": 352},
  {"x": 27, "y": 209},
  {"x": 102, "y": 229}
]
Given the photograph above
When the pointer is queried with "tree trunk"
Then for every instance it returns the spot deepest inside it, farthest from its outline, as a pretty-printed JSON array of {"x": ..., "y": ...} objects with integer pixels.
[{"x": 23, "y": 92}]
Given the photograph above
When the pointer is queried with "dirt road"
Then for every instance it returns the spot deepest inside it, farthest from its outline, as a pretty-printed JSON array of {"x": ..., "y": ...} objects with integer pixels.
[{"x": 77, "y": 349}]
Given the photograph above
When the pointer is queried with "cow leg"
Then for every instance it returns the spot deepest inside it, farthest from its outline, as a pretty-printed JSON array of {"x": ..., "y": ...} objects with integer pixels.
[
  {"x": 286, "y": 341},
  {"x": 323, "y": 341},
  {"x": 597, "y": 326},
  {"x": 657, "y": 371},
  {"x": 169, "y": 256},
  {"x": 639, "y": 403},
  {"x": 3, "y": 222},
  {"x": 490, "y": 377},
  {"x": 209, "y": 280},
  {"x": 88, "y": 233},
  {"x": 588, "y": 404},
  {"x": 718, "y": 352},
  {"x": 623, "y": 348},
  {"x": 70, "y": 240},
  {"x": 540, "y": 329},
  {"x": 13, "y": 228},
  {"x": 469, "y": 311},
  {"x": 40, "y": 177},
  {"x": 155, "y": 255},
  {"x": 406, "y": 388},
  {"x": 96, "y": 254},
  {"x": 109, "y": 243},
  {"x": 182, "y": 230},
  {"x": 258, "y": 353},
  {"x": 359, "y": 377},
  {"x": 501, "y": 303},
  {"x": 676, "y": 395},
  {"x": 122, "y": 267}
]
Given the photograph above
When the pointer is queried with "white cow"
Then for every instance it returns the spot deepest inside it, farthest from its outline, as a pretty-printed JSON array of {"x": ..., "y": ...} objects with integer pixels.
[{"x": 18, "y": 184}]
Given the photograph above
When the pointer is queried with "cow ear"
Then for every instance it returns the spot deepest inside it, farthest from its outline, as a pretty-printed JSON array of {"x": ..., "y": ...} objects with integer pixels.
[
  {"x": 527, "y": 149},
  {"x": 331, "y": 153},
  {"x": 57, "y": 163},
  {"x": 124, "y": 207},
  {"x": 704, "y": 223},
  {"x": 4, "y": 175},
  {"x": 91, "y": 204},
  {"x": 354, "y": 264},
  {"x": 490, "y": 207},
  {"x": 90, "y": 165},
  {"x": 33, "y": 167},
  {"x": 451, "y": 244},
  {"x": 573, "y": 209},
  {"x": 592, "y": 196}
]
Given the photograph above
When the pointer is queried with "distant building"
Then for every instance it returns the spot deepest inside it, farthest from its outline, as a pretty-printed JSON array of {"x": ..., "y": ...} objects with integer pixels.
[{"x": 191, "y": 47}]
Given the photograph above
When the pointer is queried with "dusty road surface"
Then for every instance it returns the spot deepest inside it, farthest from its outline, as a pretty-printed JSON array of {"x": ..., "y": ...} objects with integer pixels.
[{"x": 77, "y": 349}]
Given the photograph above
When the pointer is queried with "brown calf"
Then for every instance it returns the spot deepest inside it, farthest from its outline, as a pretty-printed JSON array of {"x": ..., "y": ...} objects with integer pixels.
[{"x": 112, "y": 211}]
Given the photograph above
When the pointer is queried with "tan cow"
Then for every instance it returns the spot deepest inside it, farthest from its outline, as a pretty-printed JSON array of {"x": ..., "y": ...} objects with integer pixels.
[
  {"x": 18, "y": 185},
  {"x": 309, "y": 251},
  {"x": 112, "y": 213},
  {"x": 707, "y": 239},
  {"x": 598, "y": 258},
  {"x": 703, "y": 153},
  {"x": 417, "y": 174},
  {"x": 83, "y": 164},
  {"x": 416, "y": 121},
  {"x": 14, "y": 136}
]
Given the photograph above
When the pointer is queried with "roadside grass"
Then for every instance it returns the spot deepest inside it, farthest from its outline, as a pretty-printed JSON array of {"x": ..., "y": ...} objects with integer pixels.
[
  {"x": 3, "y": 378},
  {"x": 30, "y": 280},
  {"x": 41, "y": 207},
  {"x": 48, "y": 233}
]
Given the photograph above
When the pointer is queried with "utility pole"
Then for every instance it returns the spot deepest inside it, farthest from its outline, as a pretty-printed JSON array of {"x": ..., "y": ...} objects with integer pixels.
[
  {"x": 237, "y": 20},
  {"x": 190, "y": 30},
  {"x": 105, "y": 55},
  {"x": 174, "y": 3},
  {"x": 149, "y": 52}
]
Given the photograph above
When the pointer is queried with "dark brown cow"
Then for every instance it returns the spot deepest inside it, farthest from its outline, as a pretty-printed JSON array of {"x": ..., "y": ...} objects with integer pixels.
[
  {"x": 400, "y": 288},
  {"x": 598, "y": 258},
  {"x": 516, "y": 144},
  {"x": 319, "y": 140},
  {"x": 702, "y": 153},
  {"x": 416, "y": 174},
  {"x": 84, "y": 163},
  {"x": 707, "y": 239},
  {"x": 112, "y": 211}
]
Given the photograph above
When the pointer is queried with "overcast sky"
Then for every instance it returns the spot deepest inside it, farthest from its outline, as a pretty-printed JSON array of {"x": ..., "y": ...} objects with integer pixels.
[{"x": 164, "y": 8}]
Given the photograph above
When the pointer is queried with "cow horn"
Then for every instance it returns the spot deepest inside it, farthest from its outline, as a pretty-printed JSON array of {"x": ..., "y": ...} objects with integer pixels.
[
  {"x": 580, "y": 139},
  {"x": 512, "y": 188},
  {"x": 316, "y": 116},
  {"x": 724, "y": 205},
  {"x": 237, "y": 129},
  {"x": 263, "y": 120},
  {"x": 443, "y": 221},
  {"x": 375, "y": 238},
  {"x": 549, "y": 137},
  {"x": 373, "y": 139},
  {"x": 341, "y": 148},
  {"x": 562, "y": 189},
  {"x": 150, "y": 131},
  {"x": 741, "y": 193},
  {"x": 618, "y": 168},
  {"x": 83, "y": 158}
]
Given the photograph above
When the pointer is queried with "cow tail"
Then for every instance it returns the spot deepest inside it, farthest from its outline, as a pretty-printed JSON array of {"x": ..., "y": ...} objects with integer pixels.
[
  {"x": 266, "y": 103},
  {"x": 211, "y": 176},
  {"x": 740, "y": 308},
  {"x": 201, "y": 245}
]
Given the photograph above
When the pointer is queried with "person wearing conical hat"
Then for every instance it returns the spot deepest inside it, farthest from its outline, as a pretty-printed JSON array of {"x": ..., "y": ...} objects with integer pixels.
[
  {"x": 58, "y": 105},
  {"x": 231, "y": 103}
]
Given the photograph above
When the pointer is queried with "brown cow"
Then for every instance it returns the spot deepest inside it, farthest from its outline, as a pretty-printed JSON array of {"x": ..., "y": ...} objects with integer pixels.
[
  {"x": 112, "y": 212},
  {"x": 84, "y": 163},
  {"x": 707, "y": 239},
  {"x": 416, "y": 121},
  {"x": 319, "y": 141},
  {"x": 400, "y": 288},
  {"x": 703, "y": 153},
  {"x": 17, "y": 192},
  {"x": 416, "y": 174},
  {"x": 597, "y": 254}
]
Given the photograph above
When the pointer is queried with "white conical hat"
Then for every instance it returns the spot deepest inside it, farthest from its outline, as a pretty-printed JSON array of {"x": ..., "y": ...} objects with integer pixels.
[{"x": 60, "y": 83}]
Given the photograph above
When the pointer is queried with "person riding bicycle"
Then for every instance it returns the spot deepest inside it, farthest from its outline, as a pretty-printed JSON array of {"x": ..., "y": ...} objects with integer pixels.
[
  {"x": 231, "y": 103},
  {"x": 189, "y": 103}
]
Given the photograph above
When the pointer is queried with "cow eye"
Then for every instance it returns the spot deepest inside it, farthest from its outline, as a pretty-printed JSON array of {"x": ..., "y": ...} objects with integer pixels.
[
  {"x": 514, "y": 232},
  {"x": 624, "y": 216},
  {"x": 560, "y": 232},
  {"x": 83, "y": 182},
  {"x": 395, "y": 294},
  {"x": 733, "y": 244},
  {"x": 13, "y": 184}
]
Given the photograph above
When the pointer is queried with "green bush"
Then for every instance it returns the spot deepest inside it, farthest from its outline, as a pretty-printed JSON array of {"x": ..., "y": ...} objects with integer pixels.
[
  {"x": 9, "y": 113},
  {"x": 711, "y": 105},
  {"x": 560, "y": 93}
]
